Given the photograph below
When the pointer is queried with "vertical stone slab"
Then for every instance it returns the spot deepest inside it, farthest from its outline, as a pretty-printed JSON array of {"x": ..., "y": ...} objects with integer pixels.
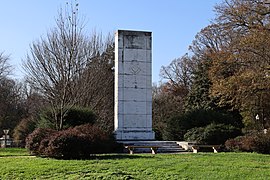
[{"x": 133, "y": 85}]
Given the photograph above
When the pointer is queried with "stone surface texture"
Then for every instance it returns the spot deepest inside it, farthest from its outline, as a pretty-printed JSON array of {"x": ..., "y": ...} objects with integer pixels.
[{"x": 133, "y": 85}]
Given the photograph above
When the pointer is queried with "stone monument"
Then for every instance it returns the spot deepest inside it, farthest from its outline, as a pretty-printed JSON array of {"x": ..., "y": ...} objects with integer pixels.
[{"x": 133, "y": 85}]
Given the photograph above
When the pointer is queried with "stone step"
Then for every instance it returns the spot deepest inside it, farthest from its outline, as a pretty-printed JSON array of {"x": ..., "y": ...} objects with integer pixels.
[{"x": 164, "y": 146}]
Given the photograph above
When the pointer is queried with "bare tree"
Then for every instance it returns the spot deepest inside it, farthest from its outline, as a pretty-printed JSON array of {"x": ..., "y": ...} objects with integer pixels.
[
  {"x": 5, "y": 68},
  {"x": 56, "y": 66},
  {"x": 11, "y": 104},
  {"x": 178, "y": 75},
  {"x": 98, "y": 79}
]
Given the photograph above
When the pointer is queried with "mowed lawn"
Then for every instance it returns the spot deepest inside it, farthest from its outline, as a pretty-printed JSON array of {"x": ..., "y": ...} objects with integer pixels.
[{"x": 17, "y": 164}]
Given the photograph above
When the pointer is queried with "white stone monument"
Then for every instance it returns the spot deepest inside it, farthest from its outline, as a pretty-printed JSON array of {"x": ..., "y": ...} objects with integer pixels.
[{"x": 133, "y": 85}]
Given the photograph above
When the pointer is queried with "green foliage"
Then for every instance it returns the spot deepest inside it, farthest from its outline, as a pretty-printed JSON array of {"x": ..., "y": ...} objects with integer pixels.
[
  {"x": 8, "y": 152},
  {"x": 212, "y": 134},
  {"x": 199, "y": 95},
  {"x": 79, "y": 115},
  {"x": 139, "y": 166},
  {"x": 177, "y": 126},
  {"x": 74, "y": 116},
  {"x": 195, "y": 135},
  {"x": 46, "y": 119},
  {"x": 158, "y": 134}
]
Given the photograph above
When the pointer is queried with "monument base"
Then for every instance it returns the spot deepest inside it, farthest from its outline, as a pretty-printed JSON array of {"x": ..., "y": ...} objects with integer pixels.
[{"x": 134, "y": 135}]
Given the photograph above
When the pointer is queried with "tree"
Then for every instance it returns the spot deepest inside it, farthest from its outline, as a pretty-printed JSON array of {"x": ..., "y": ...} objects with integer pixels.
[
  {"x": 24, "y": 127},
  {"x": 5, "y": 68},
  {"x": 11, "y": 104},
  {"x": 165, "y": 106},
  {"x": 58, "y": 64},
  {"x": 178, "y": 75},
  {"x": 240, "y": 71},
  {"x": 229, "y": 66},
  {"x": 12, "y": 101},
  {"x": 232, "y": 62},
  {"x": 210, "y": 40},
  {"x": 199, "y": 94},
  {"x": 99, "y": 82},
  {"x": 188, "y": 78}
]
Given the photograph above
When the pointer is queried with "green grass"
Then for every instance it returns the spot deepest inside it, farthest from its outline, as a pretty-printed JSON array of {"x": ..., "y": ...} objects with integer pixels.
[
  {"x": 13, "y": 152},
  {"x": 138, "y": 166}
]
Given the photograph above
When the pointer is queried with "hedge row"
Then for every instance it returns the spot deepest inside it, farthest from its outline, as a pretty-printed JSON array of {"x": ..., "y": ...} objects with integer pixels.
[{"x": 80, "y": 142}]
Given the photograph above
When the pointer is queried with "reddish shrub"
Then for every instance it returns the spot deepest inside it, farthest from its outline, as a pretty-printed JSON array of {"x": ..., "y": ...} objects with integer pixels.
[
  {"x": 248, "y": 143},
  {"x": 74, "y": 143},
  {"x": 262, "y": 143},
  {"x": 80, "y": 142},
  {"x": 241, "y": 143},
  {"x": 64, "y": 144},
  {"x": 33, "y": 140},
  {"x": 253, "y": 142}
]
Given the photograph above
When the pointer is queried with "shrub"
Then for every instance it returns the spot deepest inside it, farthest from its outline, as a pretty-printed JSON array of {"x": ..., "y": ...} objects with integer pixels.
[
  {"x": 175, "y": 129},
  {"x": 158, "y": 134},
  {"x": 99, "y": 140},
  {"x": 34, "y": 139},
  {"x": 75, "y": 116},
  {"x": 212, "y": 134},
  {"x": 64, "y": 144},
  {"x": 233, "y": 144},
  {"x": 252, "y": 142},
  {"x": 203, "y": 117},
  {"x": 79, "y": 142},
  {"x": 177, "y": 126},
  {"x": 241, "y": 143},
  {"x": 44, "y": 144},
  {"x": 262, "y": 143},
  {"x": 195, "y": 134},
  {"x": 78, "y": 116}
]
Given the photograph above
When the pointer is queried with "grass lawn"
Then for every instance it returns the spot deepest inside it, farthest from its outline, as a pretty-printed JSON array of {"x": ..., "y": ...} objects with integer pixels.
[{"x": 16, "y": 164}]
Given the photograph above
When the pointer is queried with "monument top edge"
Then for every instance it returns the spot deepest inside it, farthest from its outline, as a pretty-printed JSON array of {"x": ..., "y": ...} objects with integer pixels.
[{"x": 133, "y": 32}]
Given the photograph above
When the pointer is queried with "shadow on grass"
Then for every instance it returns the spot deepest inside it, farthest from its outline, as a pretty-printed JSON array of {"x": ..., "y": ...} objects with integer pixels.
[
  {"x": 121, "y": 156},
  {"x": 109, "y": 157}
]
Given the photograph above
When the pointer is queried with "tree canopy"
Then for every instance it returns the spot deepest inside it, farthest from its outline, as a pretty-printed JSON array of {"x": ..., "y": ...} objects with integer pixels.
[{"x": 229, "y": 64}]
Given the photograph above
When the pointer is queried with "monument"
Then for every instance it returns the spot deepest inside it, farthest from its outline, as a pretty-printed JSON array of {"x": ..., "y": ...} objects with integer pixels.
[{"x": 133, "y": 85}]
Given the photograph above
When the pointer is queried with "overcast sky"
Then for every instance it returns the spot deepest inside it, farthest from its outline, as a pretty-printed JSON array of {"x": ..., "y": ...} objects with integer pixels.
[{"x": 173, "y": 23}]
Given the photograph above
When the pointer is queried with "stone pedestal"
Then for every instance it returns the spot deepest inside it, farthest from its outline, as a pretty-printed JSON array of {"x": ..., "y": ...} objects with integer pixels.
[{"x": 133, "y": 85}]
